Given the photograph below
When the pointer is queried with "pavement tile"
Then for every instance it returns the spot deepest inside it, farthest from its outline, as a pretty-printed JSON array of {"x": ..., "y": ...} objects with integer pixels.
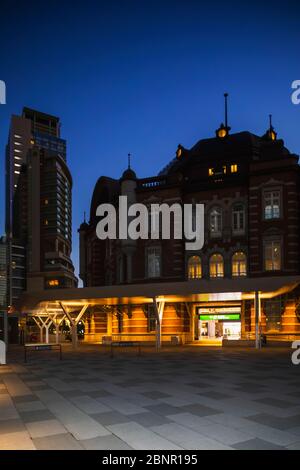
[
  {"x": 37, "y": 415},
  {"x": 105, "y": 443},
  {"x": 8, "y": 426},
  {"x": 257, "y": 444},
  {"x": 45, "y": 428},
  {"x": 138, "y": 437},
  {"x": 16, "y": 441},
  {"x": 57, "y": 442}
]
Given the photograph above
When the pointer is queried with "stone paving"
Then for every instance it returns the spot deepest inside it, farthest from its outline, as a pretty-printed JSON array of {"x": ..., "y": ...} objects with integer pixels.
[{"x": 180, "y": 398}]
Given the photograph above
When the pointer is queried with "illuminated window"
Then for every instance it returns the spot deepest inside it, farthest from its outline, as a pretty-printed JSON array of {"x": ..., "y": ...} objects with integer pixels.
[
  {"x": 46, "y": 202},
  {"x": 17, "y": 157},
  {"x": 234, "y": 168},
  {"x": 194, "y": 267},
  {"x": 272, "y": 251},
  {"x": 32, "y": 142},
  {"x": 238, "y": 218},
  {"x": 239, "y": 264},
  {"x": 17, "y": 164},
  {"x": 53, "y": 282},
  {"x": 17, "y": 136},
  {"x": 224, "y": 169},
  {"x": 46, "y": 222},
  {"x": 16, "y": 172},
  {"x": 17, "y": 150},
  {"x": 271, "y": 204},
  {"x": 215, "y": 222},
  {"x": 210, "y": 172},
  {"x": 18, "y": 143},
  {"x": 216, "y": 266}
]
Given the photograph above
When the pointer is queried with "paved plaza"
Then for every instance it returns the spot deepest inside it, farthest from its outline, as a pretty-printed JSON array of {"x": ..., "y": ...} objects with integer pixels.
[{"x": 180, "y": 398}]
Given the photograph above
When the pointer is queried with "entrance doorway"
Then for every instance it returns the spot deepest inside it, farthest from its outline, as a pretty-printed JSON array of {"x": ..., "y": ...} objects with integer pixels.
[{"x": 217, "y": 323}]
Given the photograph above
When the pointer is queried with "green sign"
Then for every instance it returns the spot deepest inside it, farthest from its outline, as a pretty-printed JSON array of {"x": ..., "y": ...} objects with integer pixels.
[{"x": 229, "y": 316}]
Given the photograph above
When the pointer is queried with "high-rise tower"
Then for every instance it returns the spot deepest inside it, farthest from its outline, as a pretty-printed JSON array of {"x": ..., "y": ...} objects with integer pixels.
[{"x": 38, "y": 205}]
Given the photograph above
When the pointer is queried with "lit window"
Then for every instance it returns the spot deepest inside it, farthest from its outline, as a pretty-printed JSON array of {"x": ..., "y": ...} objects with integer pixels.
[
  {"x": 17, "y": 136},
  {"x": 32, "y": 142},
  {"x": 272, "y": 204},
  {"x": 272, "y": 255},
  {"x": 17, "y": 150},
  {"x": 153, "y": 262},
  {"x": 46, "y": 222},
  {"x": 46, "y": 202},
  {"x": 16, "y": 172},
  {"x": 239, "y": 264},
  {"x": 238, "y": 218},
  {"x": 233, "y": 168},
  {"x": 53, "y": 282},
  {"x": 18, "y": 143},
  {"x": 17, "y": 157},
  {"x": 17, "y": 164},
  {"x": 216, "y": 266},
  {"x": 194, "y": 267},
  {"x": 210, "y": 172},
  {"x": 179, "y": 152},
  {"x": 224, "y": 169},
  {"x": 215, "y": 221}
]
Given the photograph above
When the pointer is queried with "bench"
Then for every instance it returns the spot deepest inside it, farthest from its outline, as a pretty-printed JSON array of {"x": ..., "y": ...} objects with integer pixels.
[
  {"x": 42, "y": 347},
  {"x": 125, "y": 344}
]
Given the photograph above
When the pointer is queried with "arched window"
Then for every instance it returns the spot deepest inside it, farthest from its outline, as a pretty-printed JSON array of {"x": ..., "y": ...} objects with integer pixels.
[
  {"x": 239, "y": 264},
  {"x": 215, "y": 222},
  {"x": 238, "y": 218},
  {"x": 194, "y": 267},
  {"x": 216, "y": 266}
]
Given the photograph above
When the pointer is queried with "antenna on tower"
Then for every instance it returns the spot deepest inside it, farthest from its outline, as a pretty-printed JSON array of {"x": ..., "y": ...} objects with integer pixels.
[{"x": 129, "y": 160}]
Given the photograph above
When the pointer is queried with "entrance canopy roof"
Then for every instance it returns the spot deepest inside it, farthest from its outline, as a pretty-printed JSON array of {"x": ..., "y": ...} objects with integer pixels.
[{"x": 200, "y": 290}]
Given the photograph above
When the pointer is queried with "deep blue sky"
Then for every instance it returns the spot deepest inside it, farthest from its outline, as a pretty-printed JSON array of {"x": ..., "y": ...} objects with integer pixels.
[{"x": 143, "y": 76}]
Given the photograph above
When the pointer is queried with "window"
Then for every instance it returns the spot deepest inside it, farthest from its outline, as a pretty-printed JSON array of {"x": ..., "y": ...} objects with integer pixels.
[
  {"x": 153, "y": 262},
  {"x": 210, "y": 172},
  {"x": 272, "y": 255},
  {"x": 239, "y": 264},
  {"x": 238, "y": 218},
  {"x": 216, "y": 266},
  {"x": 194, "y": 267},
  {"x": 215, "y": 221},
  {"x": 271, "y": 204},
  {"x": 234, "y": 168}
]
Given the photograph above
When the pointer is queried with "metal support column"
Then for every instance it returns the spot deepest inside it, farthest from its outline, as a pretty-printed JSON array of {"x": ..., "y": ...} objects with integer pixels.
[{"x": 257, "y": 304}]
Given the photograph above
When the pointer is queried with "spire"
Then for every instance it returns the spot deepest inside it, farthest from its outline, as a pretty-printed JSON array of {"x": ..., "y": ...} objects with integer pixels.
[
  {"x": 226, "y": 110},
  {"x": 271, "y": 134},
  {"x": 129, "y": 161},
  {"x": 223, "y": 130},
  {"x": 84, "y": 218}
]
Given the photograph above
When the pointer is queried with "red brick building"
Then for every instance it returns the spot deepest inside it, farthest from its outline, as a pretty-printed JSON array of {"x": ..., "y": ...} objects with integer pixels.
[{"x": 250, "y": 188}]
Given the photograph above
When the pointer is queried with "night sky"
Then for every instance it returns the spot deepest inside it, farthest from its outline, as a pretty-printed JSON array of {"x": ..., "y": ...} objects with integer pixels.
[{"x": 144, "y": 76}]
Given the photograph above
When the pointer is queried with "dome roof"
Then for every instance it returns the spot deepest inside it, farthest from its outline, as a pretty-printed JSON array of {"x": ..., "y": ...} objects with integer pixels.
[{"x": 129, "y": 174}]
